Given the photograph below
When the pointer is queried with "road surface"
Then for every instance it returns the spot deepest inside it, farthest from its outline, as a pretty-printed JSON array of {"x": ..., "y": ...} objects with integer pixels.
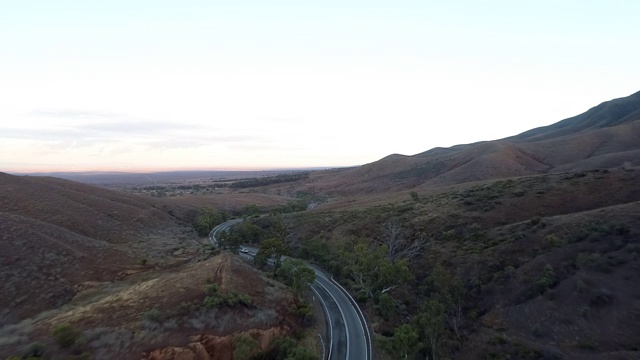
[
  {"x": 347, "y": 329},
  {"x": 220, "y": 228}
]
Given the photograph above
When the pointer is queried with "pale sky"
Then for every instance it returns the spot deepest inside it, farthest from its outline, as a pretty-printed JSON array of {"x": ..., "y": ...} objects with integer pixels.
[{"x": 156, "y": 85}]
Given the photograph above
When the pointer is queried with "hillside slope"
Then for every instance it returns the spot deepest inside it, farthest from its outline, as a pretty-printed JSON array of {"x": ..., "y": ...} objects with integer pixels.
[
  {"x": 606, "y": 136},
  {"x": 608, "y": 114},
  {"x": 165, "y": 308},
  {"x": 56, "y": 235},
  {"x": 546, "y": 265}
]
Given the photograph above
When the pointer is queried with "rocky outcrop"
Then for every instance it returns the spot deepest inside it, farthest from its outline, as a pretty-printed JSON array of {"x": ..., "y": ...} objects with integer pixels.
[
  {"x": 193, "y": 351},
  {"x": 211, "y": 347}
]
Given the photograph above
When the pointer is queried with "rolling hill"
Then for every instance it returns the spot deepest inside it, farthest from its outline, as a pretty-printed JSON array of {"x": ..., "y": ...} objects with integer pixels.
[
  {"x": 126, "y": 271},
  {"x": 605, "y": 136},
  {"x": 57, "y": 234}
]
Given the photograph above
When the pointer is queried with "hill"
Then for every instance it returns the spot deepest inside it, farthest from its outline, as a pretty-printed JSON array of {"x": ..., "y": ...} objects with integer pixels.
[
  {"x": 154, "y": 313},
  {"x": 520, "y": 248},
  {"x": 57, "y": 234},
  {"x": 125, "y": 276},
  {"x": 606, "y": 136},
  {"x": 608, "y": 114},
  {"x": 544, "y": 264}
]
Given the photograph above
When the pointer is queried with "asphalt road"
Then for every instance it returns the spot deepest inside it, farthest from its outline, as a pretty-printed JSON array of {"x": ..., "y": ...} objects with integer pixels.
[
  {"x": 222, "y": 227},
  {"x": 348, "y": 337}
]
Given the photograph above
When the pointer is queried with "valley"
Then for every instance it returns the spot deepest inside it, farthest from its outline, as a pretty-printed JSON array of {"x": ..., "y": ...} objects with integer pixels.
[{"x": 526, "y": 247}]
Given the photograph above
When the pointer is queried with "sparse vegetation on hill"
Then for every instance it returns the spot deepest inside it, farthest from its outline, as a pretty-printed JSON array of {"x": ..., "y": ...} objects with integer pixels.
[
  {"x": 504, "y": 269},
  {"x": 522, "y": 248}
]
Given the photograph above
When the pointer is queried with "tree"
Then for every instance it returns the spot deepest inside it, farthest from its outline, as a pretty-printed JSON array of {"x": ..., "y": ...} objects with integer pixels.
[
  {"x": 385, "y": 305},
  {"x": 229, "y": 241},
  {"x": 296, "y": 274},
  {"x": 207, "y": 219},
  {"x": 372, "y": 272},
  {"x": 430, "y": 324},
  {"x": 271, "y": 250},
  {"x": 278, "y": 226},
  {"x": 397, "y": 246},
  {"x": 248, "y": 232},
  {"x": 450, "y": 291},
  {"x": 404, "y": 343}
]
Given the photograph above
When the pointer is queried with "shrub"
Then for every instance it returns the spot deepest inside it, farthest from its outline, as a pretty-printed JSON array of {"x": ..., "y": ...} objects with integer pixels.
[
  {"x": 303, "y": 310},
  {"x": 385, "y": 305},
  {"x": 66, "y": 335},
  {"x": 230, "y": 299},
  {"x": 554, "y": 241},
  {"x": 546, "y": 280},
  {"x": 211, "y": 289},
  {"x": 153, "y": 315},
  {"x": 212, "y": 302},
  {"x": 35, "y": 350},
  {"x": 245, "y": 347}
]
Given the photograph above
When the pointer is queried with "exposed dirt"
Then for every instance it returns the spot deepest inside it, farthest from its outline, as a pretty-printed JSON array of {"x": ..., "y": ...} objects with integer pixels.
[
  {"x": 210, "y": 347},
  {"x": 160, "y": 308}
]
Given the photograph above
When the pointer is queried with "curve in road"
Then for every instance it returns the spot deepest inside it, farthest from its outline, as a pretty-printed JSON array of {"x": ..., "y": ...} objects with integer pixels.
[{"x": 349, "y": 336}]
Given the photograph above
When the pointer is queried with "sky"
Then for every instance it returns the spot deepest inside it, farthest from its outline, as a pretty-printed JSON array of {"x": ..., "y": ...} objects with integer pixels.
[{"x": 142, "y": 85}]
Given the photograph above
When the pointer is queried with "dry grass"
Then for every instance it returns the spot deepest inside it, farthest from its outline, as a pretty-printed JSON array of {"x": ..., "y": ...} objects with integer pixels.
[{"x": 161, "y": 308}]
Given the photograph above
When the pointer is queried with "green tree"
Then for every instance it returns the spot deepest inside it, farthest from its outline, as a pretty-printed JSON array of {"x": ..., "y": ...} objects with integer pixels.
[
  {"x": 404, "y": 343},
  {"x": 372, "y": 272},
  {"x": 449, "y": 290},
  {"x": 248, "y": 232},
  {"x": 229, "y": 242},
  {"x": 430, "y": 325},
  {"x": 296, "y": 274},
  {"x": 385, "y": 305},
  {"x": 207, "y": 219},
  {"x": 279, "y": 226},
  {"x": 270, "y": 250}
]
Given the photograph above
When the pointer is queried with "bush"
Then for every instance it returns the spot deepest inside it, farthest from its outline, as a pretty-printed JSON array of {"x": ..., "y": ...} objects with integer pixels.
[
  {"x": 245, "y": 347},
  {"x": 546, "y": 280},
  {"x": 66, "y": 335},
  {"x": 35, "y": 350},
  {"x": 386, "y": 305},
  {"x": 554, "y": 241},
  {"x": 211, "y": 289},
  {"x": 231, "y": 299},
  {"x": 153, "y": 315}
]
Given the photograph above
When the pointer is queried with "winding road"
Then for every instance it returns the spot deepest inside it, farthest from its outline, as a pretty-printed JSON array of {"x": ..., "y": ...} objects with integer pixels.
[{"x": 348, "y": 336}]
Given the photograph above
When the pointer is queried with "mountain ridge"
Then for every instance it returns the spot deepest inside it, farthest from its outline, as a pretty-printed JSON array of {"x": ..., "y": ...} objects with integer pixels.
[{"x": 605, "y": 136}]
